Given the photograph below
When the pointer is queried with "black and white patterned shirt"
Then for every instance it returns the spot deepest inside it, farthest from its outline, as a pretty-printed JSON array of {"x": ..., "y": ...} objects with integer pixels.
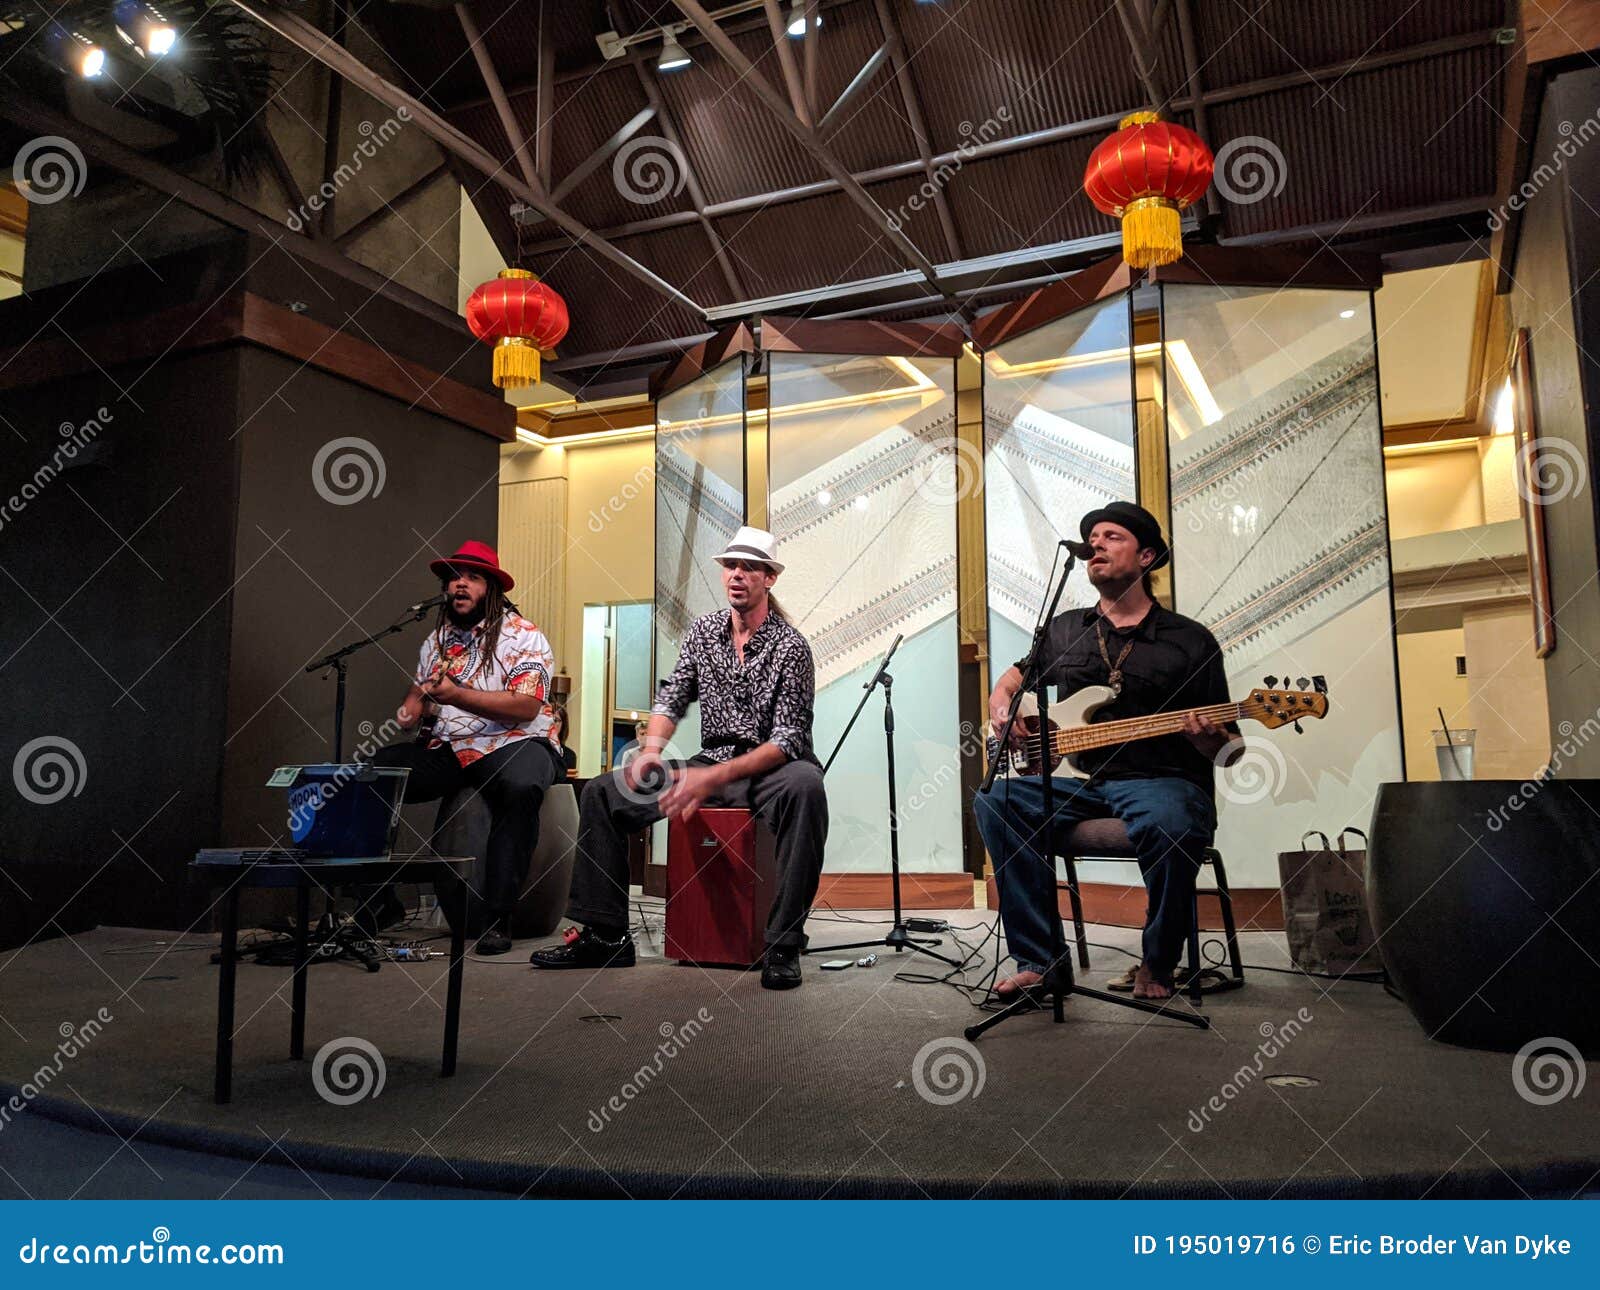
[{"x": 765, "y": 699}]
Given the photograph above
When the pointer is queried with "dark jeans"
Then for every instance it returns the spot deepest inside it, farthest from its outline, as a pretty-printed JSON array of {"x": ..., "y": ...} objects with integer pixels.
[
  {"x": 512, "y": 780},
  {"x": 789, "y": 800},
  {"x": 1170, "y": 823}
]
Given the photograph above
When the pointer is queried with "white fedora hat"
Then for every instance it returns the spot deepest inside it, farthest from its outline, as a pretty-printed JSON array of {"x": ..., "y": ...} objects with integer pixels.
[{"x": 756, "y": 545}]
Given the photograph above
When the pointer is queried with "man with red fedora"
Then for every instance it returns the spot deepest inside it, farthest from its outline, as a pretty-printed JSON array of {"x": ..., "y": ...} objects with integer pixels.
[{"x": 485, "y": 671}]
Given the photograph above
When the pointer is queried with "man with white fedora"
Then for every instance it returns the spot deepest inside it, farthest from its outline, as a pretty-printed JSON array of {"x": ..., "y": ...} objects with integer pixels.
[{"x": 751, "y": 672}]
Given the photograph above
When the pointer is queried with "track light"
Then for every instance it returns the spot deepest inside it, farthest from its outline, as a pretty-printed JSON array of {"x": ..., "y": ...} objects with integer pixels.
[
  {"x": 144, "y": 27},
  {"x": 797, "y": 19},
  {"x": 673, "y": 55}
]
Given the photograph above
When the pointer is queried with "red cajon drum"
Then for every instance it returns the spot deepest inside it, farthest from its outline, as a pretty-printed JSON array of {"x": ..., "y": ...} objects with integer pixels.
[{"x": 721, "y": 877}]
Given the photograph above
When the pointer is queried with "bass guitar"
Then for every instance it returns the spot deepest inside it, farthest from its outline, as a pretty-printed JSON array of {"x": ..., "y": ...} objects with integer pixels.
[{"x": 1067, "y": 729}]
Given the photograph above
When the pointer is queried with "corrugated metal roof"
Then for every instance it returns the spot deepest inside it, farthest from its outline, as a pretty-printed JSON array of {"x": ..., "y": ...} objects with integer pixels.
[{"x": 1405, "y": 134}]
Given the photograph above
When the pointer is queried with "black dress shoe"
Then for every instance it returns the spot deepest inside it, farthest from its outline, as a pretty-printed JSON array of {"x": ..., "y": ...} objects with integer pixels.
[
  {"x": 583, "y": 949},
  {"x": 493, "y": 941},
  {"x": 781, "y": 968}
]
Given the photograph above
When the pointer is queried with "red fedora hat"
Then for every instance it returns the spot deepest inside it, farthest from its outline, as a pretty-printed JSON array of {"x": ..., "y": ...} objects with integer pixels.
[{"x": 474, "y": 555}]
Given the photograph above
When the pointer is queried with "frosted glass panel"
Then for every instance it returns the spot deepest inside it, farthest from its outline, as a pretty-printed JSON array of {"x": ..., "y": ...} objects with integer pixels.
[
  {"x": 864, "y": 479},
  {"x": 633, "y": 657},
  {"x": 700, "y": 504},
  {"x": 1280, "y": 540},
  {"x": 1058, "y": 442}
]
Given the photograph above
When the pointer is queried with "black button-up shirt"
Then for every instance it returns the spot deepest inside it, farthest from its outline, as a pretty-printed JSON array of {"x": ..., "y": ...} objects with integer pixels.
[
  {"x": 1175, "y": 663},
  {"x": 766, "y": 699}
]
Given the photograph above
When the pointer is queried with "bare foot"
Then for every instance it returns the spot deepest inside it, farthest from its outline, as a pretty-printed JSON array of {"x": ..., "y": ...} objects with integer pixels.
[
  {"x": 1148, "y": 985},
  {"x": 1014, "y": 985}
]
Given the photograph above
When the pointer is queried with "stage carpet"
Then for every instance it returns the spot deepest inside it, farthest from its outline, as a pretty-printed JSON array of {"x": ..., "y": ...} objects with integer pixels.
[{"x": 671, "y": 1080}]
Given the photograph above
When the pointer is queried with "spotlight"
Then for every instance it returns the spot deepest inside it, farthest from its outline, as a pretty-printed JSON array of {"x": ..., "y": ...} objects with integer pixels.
[
  {"x": 1347, "y": 313},
  {"x": 144, "y": 27},
  {"x": 673, "y": 55},
  {"x": 797, "y": 19},
  {"x": 75, "y": 51}
]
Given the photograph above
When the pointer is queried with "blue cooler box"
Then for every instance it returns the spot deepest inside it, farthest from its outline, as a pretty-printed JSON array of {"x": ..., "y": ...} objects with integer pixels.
[{"x": 343, "y": 811}]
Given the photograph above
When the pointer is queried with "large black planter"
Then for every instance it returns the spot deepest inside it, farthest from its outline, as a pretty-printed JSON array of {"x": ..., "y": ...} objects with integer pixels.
[{"x": 1488, "y": 914}]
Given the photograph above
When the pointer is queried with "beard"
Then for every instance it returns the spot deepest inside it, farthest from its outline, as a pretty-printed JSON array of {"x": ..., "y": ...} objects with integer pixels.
[{"x": 471, "y": 618}]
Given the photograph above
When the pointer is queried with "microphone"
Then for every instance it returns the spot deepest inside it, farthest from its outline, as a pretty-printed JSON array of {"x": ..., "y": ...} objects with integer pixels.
[
  {"x": 424, "y": 605},
  {"x": 1082, "y": 550}
]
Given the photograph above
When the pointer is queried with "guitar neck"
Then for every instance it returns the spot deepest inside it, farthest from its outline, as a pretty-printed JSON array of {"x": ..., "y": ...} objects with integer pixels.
[{"x": 1077, "y": 739}]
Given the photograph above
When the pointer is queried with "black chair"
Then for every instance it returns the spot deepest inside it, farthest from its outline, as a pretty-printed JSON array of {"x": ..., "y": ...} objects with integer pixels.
[{"x": 1107, "y": 839}]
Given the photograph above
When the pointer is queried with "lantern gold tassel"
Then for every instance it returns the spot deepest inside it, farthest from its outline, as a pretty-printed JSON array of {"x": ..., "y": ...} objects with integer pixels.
[
  {"x": 1151, "y": 232},
  {"x": 516, "y": 363}
]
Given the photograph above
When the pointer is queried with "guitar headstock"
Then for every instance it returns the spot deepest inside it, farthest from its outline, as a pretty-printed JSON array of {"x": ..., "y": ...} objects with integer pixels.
[{"x": 1274, "y": 706}]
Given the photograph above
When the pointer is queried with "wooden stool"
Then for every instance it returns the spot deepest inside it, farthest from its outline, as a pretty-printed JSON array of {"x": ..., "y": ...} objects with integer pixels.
[{"x": 722, "y": 875}]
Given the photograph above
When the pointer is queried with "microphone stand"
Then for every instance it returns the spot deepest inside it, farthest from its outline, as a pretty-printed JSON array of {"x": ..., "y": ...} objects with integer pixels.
[
  {"x": 331, "y": 938},
  {"x": 338, "y": 662},
  {"x": 1058, "y": 981},
  {"x": 899, "y": 938}
]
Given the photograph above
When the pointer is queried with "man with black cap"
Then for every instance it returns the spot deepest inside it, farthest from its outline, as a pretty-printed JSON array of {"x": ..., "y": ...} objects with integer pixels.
[
  {"x": 1160, "y": 788},
  {"x": 752, "y": 674}
]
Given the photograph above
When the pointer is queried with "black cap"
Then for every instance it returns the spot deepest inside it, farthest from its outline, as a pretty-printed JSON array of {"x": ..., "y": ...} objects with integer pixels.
[{"x": 1137, "y": 520}]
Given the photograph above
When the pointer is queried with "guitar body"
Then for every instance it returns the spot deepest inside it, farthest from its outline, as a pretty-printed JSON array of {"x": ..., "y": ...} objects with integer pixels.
[{"x": 1077, "y": 709}]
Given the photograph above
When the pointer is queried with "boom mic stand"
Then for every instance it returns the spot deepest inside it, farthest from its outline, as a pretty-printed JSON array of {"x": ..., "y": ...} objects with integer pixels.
[
  {"x": 1058, "y": 979},
  {"x": 338, "y": 661},
  {"x": 899, "y": 938}
]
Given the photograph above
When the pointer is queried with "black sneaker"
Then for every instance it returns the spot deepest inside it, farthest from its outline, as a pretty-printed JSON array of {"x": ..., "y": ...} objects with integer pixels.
[
  {"x": 781, "y": 968},
  {"x": 583, "y": 949},
  {"x": 493, "y": 941}
]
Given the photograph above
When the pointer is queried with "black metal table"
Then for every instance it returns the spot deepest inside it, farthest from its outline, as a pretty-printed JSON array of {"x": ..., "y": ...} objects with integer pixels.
[{"x": 224, "y": 867}]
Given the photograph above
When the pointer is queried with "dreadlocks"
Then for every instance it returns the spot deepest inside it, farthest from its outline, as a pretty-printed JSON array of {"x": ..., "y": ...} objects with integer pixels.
[{"x": 494, "y": 615}]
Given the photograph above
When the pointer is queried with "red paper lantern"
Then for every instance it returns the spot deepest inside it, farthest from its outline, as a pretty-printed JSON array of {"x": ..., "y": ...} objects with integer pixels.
[
  {"x": 1146, "y": 173},
  {"x": 522, "y": 318}
]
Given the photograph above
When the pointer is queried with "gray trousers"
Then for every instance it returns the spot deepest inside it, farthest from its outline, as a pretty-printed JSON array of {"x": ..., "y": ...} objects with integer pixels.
[{"x": 789, "y": 800}]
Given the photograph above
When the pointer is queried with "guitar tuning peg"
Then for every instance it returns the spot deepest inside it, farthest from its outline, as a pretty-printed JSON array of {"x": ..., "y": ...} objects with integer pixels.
[
  {"x": 1297, "y": 728},
  {"x": 1300, "y": 682},
  {"x": 1272, "y": 682},
  {"x": 1320, "y": 683}
]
